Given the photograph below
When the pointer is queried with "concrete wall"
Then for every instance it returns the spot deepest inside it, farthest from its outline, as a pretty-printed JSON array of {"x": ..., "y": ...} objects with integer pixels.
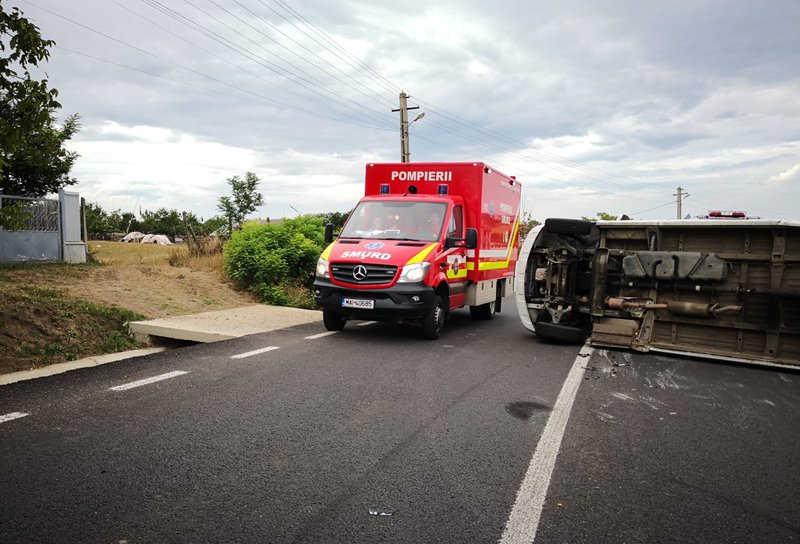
[{"x": 73, "y": 247}]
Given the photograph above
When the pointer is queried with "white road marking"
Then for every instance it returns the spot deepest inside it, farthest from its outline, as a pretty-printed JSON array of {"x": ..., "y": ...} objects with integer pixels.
[
  {"x": 523, "y": 522},
  {"x": 147, "y": 381},
  {"x": 365, "y": 323},
  {"x": 320, "y": 335},
  {"x": 11, "y": 416},
  {"x": 254, "y": 352}
]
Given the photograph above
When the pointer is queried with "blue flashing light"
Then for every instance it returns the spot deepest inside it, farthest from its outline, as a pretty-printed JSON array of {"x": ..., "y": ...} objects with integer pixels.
[
  {"x": 442, "y": 189},
  {"x": 384, "y": 188}
]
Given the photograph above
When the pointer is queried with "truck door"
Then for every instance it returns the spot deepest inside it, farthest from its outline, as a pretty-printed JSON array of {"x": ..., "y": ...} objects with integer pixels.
[{"x": 455, "y": 260}]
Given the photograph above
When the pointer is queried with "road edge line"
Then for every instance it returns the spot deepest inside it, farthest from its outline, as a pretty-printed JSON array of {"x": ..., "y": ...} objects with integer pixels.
[{"x": 523, "y": 521}]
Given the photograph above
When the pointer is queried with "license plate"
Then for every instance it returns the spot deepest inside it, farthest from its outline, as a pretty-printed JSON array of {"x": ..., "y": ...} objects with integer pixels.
[{"x": 364, "y": 304}]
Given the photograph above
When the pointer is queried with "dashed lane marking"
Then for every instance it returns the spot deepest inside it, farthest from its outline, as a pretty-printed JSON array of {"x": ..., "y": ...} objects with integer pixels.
[
  {"x": 12, "y": 416},
  {"x": 254, "y": 352},
  {"x": 365, "y": 323},
  {"x": 523, "y": 522},
  {"x": 320, "y": 335},
  {"x": 147, "y": 381}
]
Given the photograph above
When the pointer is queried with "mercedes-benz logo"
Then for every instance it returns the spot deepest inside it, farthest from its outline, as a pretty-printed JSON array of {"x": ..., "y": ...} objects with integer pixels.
[{"x": 360, "y": 272}]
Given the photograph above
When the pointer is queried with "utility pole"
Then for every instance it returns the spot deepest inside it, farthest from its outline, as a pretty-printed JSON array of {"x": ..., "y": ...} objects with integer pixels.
[
  {"x": 405, "y": 154},
  {"x": 680, "y": 194}
]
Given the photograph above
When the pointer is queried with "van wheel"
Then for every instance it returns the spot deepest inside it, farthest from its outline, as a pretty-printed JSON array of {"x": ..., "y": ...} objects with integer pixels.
[
  {"x": 576, "y": 227},
  {"x": 332, "y": 321},
  {"x": 560, "y": 333},
  {"x": 483, "y": 312},
  {"x": 433, "y": 322}
]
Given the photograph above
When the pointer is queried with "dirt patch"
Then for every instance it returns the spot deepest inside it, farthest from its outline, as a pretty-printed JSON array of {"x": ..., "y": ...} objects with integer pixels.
[{"x": 51, "y": 313}]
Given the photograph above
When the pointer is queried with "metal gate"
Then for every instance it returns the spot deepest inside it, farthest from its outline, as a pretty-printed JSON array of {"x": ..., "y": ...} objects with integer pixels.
[{"x": 41, "y": 229}]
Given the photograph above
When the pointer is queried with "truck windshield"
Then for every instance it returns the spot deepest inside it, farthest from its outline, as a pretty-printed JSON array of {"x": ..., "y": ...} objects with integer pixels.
[{"x": 396, "y": 220}]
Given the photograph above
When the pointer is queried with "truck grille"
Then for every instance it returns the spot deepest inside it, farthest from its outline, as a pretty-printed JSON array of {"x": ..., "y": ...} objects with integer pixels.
[{"x": 367, "y": 274}]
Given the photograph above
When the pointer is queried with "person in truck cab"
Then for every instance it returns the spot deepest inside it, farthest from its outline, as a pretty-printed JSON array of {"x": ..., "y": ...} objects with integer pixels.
[
  {"x": 429, "y": 231},
  {"x": 377, "y": 225}
]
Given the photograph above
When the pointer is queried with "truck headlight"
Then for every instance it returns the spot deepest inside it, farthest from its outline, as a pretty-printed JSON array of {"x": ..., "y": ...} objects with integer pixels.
[
  {"x": 322, "y": 268},
  {"x": 414, "y": 272}
]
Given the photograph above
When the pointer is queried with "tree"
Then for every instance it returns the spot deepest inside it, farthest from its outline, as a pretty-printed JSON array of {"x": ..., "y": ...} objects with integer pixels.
[
  {"x": 527, "y": 224},
  {"x": 244, "y": 200},
  {"x": 40, "y": 165},
  {"x": 337, "y": 219},
  {"x": 601, "y": 216},
  {"x": 97, "y": 220},
  {"x": 213, "y": 224},
  {"x": 32, "y": 159},
  {"x": 162, "y": 221}
]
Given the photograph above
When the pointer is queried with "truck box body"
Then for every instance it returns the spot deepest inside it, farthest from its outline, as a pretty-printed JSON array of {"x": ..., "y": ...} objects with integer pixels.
[
  {"x": 724, "y": 289},
  {"x": 418, "y": 215}
]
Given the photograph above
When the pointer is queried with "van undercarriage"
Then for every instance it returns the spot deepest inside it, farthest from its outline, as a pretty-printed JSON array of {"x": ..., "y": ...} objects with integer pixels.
[{"x": 718, "y": 289}]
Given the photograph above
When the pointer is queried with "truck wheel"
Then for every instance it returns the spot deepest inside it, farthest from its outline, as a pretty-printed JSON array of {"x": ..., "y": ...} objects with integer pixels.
[
  {"x": 483, "y": 312},
  {"x": 577, "y": 227},
  {"x": 332, "y": 321},
  {"x": 560, "y": 333},
  {"x": 433, "y": 322}
]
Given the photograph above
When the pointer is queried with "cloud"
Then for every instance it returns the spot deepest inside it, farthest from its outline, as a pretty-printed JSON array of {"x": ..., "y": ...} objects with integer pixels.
[
  {"x": 595, "y": 106},
  {"x": 790, "y": 176}
]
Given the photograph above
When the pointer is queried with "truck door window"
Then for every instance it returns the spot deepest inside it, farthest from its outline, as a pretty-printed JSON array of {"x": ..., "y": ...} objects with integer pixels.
[{"x": 455, "y": 228}]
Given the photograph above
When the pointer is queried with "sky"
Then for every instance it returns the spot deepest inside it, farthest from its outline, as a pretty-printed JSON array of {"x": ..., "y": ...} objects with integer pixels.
[{"x": 593, "y": 106}]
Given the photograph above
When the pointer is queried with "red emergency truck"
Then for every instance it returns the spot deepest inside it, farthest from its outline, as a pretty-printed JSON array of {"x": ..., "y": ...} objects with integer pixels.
[{"x": 426, "y": 238}]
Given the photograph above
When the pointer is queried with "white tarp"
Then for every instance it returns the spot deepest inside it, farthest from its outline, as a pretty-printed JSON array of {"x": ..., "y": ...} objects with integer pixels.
[
  {"x": 134, "y": 236},
  {"x": 156, "y": 239}
]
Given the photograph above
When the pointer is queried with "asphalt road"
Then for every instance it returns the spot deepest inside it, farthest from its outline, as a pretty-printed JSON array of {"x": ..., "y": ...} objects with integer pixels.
[{"x": 307, "y": 441}]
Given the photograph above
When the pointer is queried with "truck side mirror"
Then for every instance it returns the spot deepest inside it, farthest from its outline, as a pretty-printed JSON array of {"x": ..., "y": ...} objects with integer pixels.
[
  {"x": 470, "y": 242},
  {"x": 472, "y": 238},
  {"x": 328, "y": 233}
]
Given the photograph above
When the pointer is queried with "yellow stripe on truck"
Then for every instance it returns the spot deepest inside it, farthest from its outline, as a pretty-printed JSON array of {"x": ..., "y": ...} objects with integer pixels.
[
  {"x": 494, "y": 265},
  {"x": 419, "y": 257},
  {"x": 327, "y": 253},
  {"x": 462, "y": 273}
]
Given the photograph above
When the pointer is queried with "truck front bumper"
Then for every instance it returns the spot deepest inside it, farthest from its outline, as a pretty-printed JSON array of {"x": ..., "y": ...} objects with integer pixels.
[{"x": 401, "y": 301}]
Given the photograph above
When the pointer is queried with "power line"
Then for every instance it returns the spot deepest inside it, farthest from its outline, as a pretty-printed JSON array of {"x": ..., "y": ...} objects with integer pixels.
[
  {"x": 539, "y": 156},
  {"x": 139, "y": 49},
  {"x": 261, "y": 98},
  {"x": 356, "y": 108},
  {"x": 391, "y": 87},
  {"x": 670, "y": 203},
  {"x": 345, "y": 74},
  {"x": 213, "y": 2}
]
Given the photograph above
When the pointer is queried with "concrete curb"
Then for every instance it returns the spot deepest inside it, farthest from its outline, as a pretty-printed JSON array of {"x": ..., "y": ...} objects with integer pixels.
[
  {"x": 60, "y": 368},
  {"x": 223, "y": 324},
  {"x": 203, "y": 327}
]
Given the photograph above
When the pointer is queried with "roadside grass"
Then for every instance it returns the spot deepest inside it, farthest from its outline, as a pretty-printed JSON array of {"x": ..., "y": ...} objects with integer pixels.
[
  {"x": 122, "y": 254},
  {"x": 39, "y": 327},
  {"x": 155, "y": 256},
  {"x": 56, "y": 312}
]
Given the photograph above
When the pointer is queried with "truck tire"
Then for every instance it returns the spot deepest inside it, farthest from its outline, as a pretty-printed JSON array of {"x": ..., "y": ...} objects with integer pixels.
[
  {"x": 433, "y": 322},
  {"x": 560, "y": 333},
  {"x": 575, "y": 227},
  {"x": 483, "y": 312},
  {"x": 332, "y": 321}
]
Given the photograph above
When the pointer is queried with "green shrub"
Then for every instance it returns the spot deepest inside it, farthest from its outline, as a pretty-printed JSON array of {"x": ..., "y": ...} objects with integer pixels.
[{"x": 274, "y": 260}]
